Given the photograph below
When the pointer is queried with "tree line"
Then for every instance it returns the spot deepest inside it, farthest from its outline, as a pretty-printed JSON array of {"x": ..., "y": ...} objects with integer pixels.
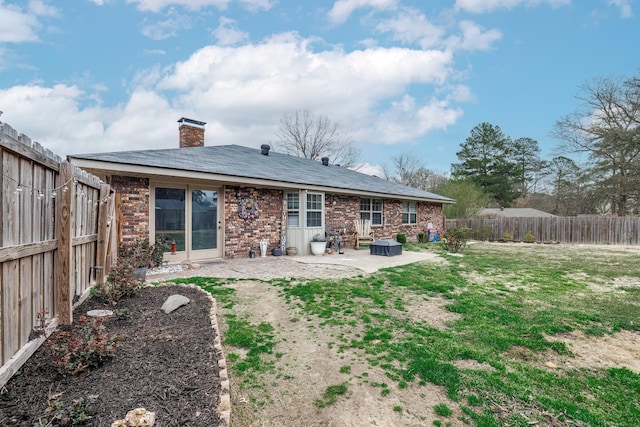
[{"x": 496, "y": 170}]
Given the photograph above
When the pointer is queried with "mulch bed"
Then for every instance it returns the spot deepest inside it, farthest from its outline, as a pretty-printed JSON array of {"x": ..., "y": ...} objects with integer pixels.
[{"x": 164, "y": 363}]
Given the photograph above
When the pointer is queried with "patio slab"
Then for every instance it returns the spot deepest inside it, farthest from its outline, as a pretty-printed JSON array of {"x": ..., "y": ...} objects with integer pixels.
[
  {"x": 327, "y": 266},
  {"x": 363, "y": 260}
]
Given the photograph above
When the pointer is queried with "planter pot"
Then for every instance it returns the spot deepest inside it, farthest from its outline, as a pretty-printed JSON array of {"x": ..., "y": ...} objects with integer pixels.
[
  {"x": 140, "y": 273},
  {"x": 276, "y": 252},
  {"x": 292, "y": 251},
  {"x": 317, "y": 248}
]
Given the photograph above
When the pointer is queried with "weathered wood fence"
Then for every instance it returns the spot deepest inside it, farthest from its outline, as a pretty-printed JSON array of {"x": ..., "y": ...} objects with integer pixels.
[
  {"x": 55, "y": 243},
  {"x": 578, "y": 230}
]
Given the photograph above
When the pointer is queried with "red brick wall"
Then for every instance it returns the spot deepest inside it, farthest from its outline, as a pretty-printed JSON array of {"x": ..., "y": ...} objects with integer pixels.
[
  {"x": 191, "y": 136},
  {"x": 242, "y": 235},
  {"x": 134, "y": 197},
  {"x": 340, "y": 216}
]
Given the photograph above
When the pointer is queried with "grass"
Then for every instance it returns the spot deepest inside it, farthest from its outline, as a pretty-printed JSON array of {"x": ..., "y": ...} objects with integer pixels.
[
  {"x": 330, "y": 395},
  {"x": 508, "y": 303}
]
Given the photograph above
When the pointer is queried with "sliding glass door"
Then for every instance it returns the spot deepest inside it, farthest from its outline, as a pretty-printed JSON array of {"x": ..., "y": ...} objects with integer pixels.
[{"x": 188, "y": 216}]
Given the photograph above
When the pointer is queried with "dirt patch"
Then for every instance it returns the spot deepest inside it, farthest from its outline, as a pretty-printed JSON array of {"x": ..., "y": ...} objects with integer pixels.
[
  {"x": 309, "y": 359},
  {"x": 619, "y": 350},
  {"x": 432, "y": 311},
  {"x": 164, "y": 363}
]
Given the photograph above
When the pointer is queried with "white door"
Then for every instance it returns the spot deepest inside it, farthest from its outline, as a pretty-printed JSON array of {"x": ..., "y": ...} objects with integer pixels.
[{"x": 305, "y": 218}]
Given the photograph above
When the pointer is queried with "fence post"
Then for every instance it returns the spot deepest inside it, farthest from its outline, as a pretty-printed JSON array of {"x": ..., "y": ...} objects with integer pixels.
[
  {"x": 103, "y": 233},
  {"x": 63, "y": 268}
]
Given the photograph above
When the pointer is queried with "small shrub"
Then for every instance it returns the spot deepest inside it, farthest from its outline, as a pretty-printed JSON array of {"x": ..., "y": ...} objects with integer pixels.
[
  {"x": 507, "y": 237},
  {"x": 529, "y": 238},
  {"x": 74, "y": 352},
  {"x": 346, "y": 369},
  {"x": 401, "y": 237},
  {"x": 423, "y": 237},
  {"x": 397, "y": 408},
  {"x": 483, "y": 233},
  {"x": 123, "y": 280},
  {"x": 59, "y": 413},
  {"x": 455, "y": 239},
  {"x": 443, "y": 410}
]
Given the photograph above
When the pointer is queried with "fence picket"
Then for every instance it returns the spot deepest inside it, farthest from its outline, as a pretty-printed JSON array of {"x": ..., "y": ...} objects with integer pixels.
[
  {"x": 577, "y": 230},
  {"x": 48, "y": 241}
]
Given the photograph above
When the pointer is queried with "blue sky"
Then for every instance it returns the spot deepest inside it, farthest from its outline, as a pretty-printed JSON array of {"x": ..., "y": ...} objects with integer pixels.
[{"x": 402, "y": 76}]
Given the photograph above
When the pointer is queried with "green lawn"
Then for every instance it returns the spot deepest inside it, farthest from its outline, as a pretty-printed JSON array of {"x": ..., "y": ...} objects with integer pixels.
[{"x": 509, "y": 300}]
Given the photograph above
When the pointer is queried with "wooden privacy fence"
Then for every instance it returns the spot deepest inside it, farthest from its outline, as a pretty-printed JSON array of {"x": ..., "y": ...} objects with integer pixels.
[
  {"x": 56, "y": 242},
  {"x": 584, "y": 230}
]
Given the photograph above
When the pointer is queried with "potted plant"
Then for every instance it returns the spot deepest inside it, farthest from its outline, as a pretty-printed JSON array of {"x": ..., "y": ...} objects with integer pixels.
[
  {"x": 318, "y": 244},
  {"x": 142, "y": 255}
]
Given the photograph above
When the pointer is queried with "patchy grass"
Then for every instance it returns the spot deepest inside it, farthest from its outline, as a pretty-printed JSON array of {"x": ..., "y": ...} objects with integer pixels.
[
  {"x": 330, "y": 395},
  {"x": 524, "y": 296}
]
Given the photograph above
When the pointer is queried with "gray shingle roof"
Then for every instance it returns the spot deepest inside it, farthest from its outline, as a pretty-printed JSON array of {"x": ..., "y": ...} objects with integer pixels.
[
  {"x": 515, "y": 213},
  {"x": 238, "y": 161}
]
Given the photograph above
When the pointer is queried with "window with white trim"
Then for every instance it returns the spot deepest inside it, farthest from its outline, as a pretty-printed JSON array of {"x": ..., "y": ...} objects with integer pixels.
[
  {"x": 371, "y": 209},
  {"x": 293, "y": 209},
  {"x": 314, "y": 210},
  {"x": 409, "y": 213}
]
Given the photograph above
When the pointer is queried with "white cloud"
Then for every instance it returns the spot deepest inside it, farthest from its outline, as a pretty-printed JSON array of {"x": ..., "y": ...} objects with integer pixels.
[
  {"x": 159, "y": 5},
  {"x": 342, "y": 9},
  {"x": 474, "y": 37},
  {"x": 17, "y": 25},
  {"x": 242, "y": 92},
  {"x": 227, "y": 32},
  {"x": 411, "y": 26},
  {"x": 40, "y": 8},
  {"x": 406, "y": 121},
  {"x": 256, "y": 5},
  {"x": 167, "y": 28},
  {"x": 624, "y": 6},
  {"x": 482, "y": 6}
]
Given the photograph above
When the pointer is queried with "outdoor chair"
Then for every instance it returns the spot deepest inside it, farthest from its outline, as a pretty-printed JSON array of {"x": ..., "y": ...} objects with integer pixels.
[
  {"x": 333, "y": 239},
  {"x": 363, "y": 233}
]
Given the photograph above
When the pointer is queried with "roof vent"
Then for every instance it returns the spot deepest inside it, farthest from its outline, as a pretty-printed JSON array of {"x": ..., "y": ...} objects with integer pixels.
[
  {"x": 325, "y": 161},
  {"x": 265, "y": 149}
]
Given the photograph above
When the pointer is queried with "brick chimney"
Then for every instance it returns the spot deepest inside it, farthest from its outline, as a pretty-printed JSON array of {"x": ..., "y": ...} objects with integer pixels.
[{"x": 191, "y": 133}]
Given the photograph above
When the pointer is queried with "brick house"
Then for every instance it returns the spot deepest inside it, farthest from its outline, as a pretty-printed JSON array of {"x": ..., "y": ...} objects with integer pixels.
[{"x": 221, "y": 201}]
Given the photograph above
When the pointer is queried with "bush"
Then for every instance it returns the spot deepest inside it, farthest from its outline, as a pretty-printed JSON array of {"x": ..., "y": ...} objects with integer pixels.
[
  {"x": 483, "y": 233},
  {"x": 455, "y": 239},
  {"x": 133, "y": 260},
  {"x": 507, "y": 237},
  {"x": 74, "y": 352},
  {"x": 529, "y": 238},
  {"x": 401, "y": 237},
  {"x": 60, "y": 413},
  {"x": 423, "y": 237}
]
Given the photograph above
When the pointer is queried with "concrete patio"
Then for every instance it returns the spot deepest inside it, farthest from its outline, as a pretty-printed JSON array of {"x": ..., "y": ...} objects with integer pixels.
[{"x": 350, "y": 263}]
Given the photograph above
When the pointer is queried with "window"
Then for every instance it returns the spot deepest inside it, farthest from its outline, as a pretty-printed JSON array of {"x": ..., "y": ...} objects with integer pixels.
[
  {"x": 409, "y": 215},
  {"x": 314, "y": 210},
  {"x": 371, "y": 209},
  {"x": 293, "y": 209}
]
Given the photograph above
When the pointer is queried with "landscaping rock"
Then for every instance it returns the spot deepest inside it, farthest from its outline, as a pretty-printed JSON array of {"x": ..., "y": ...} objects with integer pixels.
[
  {"x": 99, "y": 313},
  {"x": 174, "y": 302},
  {"x": 138, "y": 417}
]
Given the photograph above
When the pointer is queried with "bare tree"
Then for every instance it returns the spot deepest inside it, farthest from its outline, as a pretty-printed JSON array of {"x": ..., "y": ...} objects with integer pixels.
[
  {"x": 408, "y": 170},
  {"x": 607, "y": 128},
  {"x": 304, "y": 135}
]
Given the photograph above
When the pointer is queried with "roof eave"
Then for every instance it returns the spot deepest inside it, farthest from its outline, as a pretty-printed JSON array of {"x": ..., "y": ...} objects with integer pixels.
[{"x": 102, "y": 168}]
